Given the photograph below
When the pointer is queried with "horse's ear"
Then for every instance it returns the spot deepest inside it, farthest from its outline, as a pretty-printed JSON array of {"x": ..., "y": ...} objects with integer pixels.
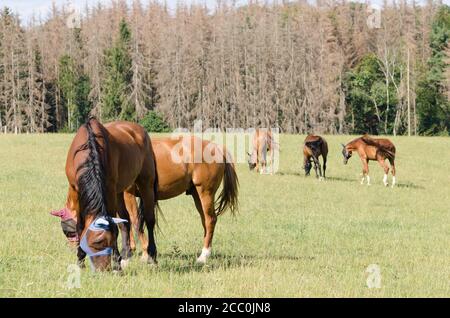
[{"x": 63, "y": 213}]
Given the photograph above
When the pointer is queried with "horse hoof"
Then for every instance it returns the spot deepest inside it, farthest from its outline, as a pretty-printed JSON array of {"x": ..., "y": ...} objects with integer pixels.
[
  {"x": 201, "y": 260},
  {"x": 124, "y": 263},
  {"x": 152, "y": 262},
  {"x": 144, "y": 258},
  {"x": 81, "y": 264}
]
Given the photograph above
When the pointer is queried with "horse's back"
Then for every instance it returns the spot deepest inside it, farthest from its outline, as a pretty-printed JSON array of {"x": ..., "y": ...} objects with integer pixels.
[
  {"x": 179, "y": 174},
  {"x": 387, "y": 144},
  {"x": 127, "y": 132},
  {"x": 383, "y": 142},
  {"x": 310, "y": 139},
  {"x": 130, "y": 153}
]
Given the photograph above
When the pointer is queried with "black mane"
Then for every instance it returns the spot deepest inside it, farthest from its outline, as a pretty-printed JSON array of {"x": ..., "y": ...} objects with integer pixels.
[{"x": 91, "y": 181}]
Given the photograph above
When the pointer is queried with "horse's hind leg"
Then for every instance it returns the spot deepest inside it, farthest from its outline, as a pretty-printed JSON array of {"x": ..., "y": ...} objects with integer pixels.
[
  {"x": 132, "y": 208},
  {"x": 317, "y": 167},
  {"x": 148, "y": 203},
  {"x": 385, "y": 167},
  {"x": 392, "y": 162},
  {"x": 324, "y": 165},
  {"x": 210, "y": 219},
  {"x": 198, "y": 205},
  {"x": 320, "y": 169}
]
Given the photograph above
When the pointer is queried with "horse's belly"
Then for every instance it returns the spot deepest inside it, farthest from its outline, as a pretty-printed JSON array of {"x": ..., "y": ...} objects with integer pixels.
[{"x": 168, "y": 191}]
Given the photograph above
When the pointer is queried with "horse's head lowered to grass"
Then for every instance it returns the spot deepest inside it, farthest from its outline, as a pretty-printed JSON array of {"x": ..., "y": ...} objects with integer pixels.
[
  {"x": 251, "y": 161},
  {"x": 346, "y": 153},
  {"x": 98, "y": 240}
]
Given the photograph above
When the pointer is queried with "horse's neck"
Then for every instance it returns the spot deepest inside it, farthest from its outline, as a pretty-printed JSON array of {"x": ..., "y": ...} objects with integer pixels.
[{"x": 354, "y": 145}]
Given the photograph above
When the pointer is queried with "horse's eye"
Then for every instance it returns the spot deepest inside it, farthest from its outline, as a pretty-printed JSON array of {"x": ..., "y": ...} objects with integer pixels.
[{"x": 98, "y": 239}]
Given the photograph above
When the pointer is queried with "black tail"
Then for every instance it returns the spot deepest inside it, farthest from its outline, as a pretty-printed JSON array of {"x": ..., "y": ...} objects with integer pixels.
[
  {"x": 314, "y": 145},
  {"x": 228, "y": 198},
  {"x": 91, "y": 181},
  {"x": 141, "y": 210}
]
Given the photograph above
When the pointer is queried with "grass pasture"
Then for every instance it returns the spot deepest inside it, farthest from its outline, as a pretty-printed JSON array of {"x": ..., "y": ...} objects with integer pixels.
[{"x": 293, "y": 237}]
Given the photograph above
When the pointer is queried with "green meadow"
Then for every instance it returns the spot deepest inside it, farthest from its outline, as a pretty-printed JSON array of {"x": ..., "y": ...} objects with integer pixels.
[{"x": 293, "y": 236}]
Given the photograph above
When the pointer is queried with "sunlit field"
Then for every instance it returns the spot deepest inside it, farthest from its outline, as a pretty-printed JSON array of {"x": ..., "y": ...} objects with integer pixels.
[{"x": 293, "y": 236}]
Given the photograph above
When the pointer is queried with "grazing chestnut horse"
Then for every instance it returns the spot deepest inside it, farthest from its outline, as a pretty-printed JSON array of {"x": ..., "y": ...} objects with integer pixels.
[
  {"x": 369, "y": 148},
  {"x": 262, "y": 143},
  {"x": 313, "y": 147},
  {"x": 199, "y": 173},
  {"x": 102, "y": 163},
  {"x": 200, "y": 178}
]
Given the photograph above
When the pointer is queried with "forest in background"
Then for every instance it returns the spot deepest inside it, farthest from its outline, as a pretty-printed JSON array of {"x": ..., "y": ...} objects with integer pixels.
[{"x": 303, "y": 68}]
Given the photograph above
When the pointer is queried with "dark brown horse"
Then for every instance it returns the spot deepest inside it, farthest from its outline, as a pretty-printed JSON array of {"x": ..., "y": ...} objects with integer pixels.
[
  {"x": 200, "y": 178},
  {"x": 102, "y": 163},
  {"x": 313, "y": 147},
  {"x": 369, "y": 148}
]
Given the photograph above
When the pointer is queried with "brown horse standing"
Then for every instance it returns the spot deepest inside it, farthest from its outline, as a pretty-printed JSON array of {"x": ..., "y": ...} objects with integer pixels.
[
  {"x": 102, "y": 163},
  {"x": 197, "y": 175},
  {"x": 369, "y": 148},
  {"x": 313, "y": 147},
  {"x": 262, "y": 143}
]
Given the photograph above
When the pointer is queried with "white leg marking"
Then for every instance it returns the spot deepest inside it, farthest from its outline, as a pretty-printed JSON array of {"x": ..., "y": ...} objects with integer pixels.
[
  {"x": 206, "y": 252},
  {"x": 368, "y": 180},
  {"x": 144, "y": 257},
  {"x": 393, "y": 181},
  {"x": 385, "y": 180},
  {"x": 362, "y": 180},
  {"x": 124, "y": 263}
]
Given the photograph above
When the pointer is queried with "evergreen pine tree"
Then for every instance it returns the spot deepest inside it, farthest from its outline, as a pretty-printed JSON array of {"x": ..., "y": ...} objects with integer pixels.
[
  {"x": 75, "y": 88},
  {"x": 116, "y": 89},
  {"x": 432, "y": 104}
]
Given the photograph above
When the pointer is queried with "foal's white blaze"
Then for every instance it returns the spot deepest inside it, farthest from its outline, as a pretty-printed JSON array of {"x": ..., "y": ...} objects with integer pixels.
[
  {"x": 206, "y": 252},
  {"x": 385, "y": 180},
  {"x": 393, "y": 181}
]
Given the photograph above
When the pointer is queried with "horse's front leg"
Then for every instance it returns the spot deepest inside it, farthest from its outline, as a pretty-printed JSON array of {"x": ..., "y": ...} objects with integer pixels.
[
  {"x": 125, "y": 230},
  {"x": 81, "y": 255},
  {"x": 365, "y": 171},
  {"x": 113, "y": 207}
]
